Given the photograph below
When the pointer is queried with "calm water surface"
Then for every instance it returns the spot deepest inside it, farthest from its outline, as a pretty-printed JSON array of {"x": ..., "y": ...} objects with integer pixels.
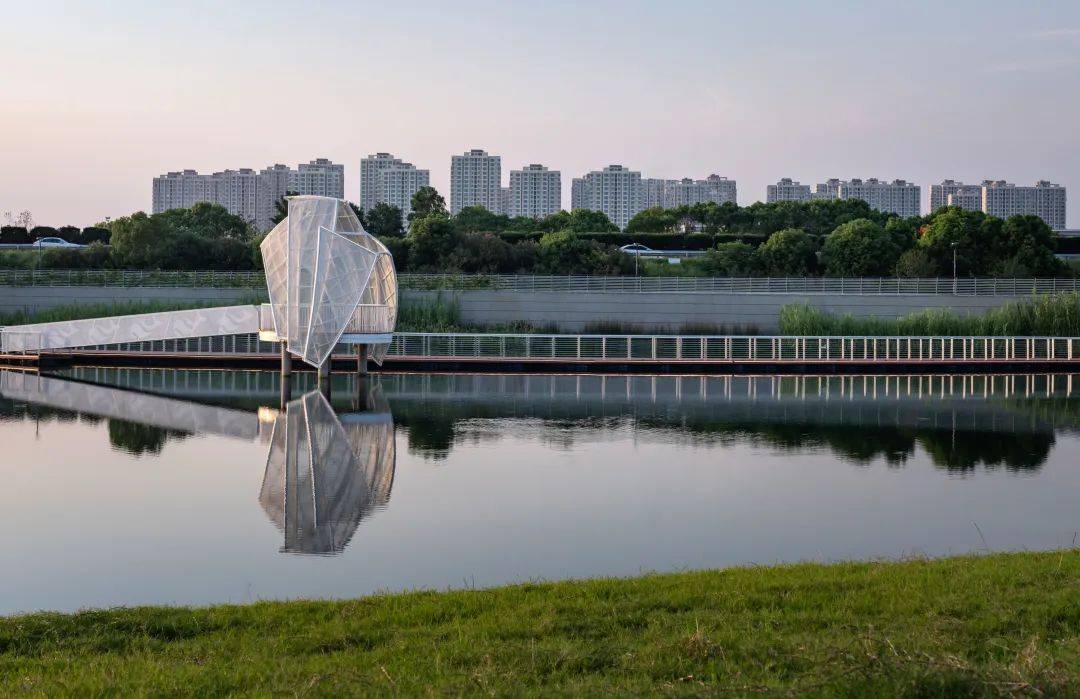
[{"x": 125, "y": 487}]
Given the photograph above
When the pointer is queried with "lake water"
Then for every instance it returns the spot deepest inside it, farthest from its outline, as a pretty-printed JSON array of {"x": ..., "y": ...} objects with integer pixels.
[{"x": 133, "y": 486}]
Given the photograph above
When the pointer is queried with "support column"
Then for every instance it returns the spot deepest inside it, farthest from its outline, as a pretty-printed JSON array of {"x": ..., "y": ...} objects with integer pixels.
[
  {"x": 286, "y": 359},
  {"x": 324, "y": 378},
  {"x": 361, "y": 360},
  {"x": 286, "y": 390}
]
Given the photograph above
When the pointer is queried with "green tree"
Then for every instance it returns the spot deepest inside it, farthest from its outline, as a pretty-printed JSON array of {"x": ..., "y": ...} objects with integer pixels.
[
  {"x": 281, "y": 208},
  {"x": 563, "y": 252},
  {"x": 971, "y": 234},
  {"x": 789, "y": 253},
  {"x": 587, "y": 221},
  {"x": 137, "y": 240},
  {"x": 732, "y": 260},
  {"x": 359, "y": 211},
  {"x": 477, "y": 219},
  {"x": 431, "y": 240},
  {"x": 917, "y": 263},
  {"x": 425, "y": 202},
  {"x": 1025, "y": 248},
  {"x": 384, "y": 221},
  {"x": 95, "y": 234},
  {"x": 654, "y": 220},
  {"x": 208, "y": 221},
  {"x": 861, "y": 248}
]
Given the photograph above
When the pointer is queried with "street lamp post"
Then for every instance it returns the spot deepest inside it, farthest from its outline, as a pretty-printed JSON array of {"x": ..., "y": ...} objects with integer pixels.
[{"x": 954, "y": 269}]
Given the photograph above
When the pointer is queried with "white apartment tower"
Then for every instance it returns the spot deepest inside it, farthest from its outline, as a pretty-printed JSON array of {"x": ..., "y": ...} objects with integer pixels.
[
  {"x": 577, "y": 193},
  {"x": 320, "y": 177},
  {"x": 245, "y": 192},
  {"x": 787, "y": 189},
  {"x": 1045, "y": 200},
  {"x": 897, "y": 197},
  {"x": 397, "y": 185},
  {"x": 953, "y": 193},
  {"x": 535, "y": 192},
  {"x": 616, "y": 191},
  {"x": 476, "y": 180},
  {"x": 370, "y": 167},
  {"x": 687, "y": 192}
]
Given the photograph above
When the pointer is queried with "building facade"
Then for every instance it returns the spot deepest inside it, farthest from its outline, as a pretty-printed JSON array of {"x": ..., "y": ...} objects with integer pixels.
[
  {"x": 370, "y": 167},
  {"x": 616, "y": 191},
  {"x": 897, "y": 197},
  {"x": 476, "y": 180},
  {"x": 397, "y": 185},
  {"x": 966, "y": 196},
  {"x": 535, "y": 192},
  {"x": 1045, "y": 200},
  {"x": 577, "y": 193},
  {"x": 246, "y": 193},
  {"x": 787, "y": 189}
]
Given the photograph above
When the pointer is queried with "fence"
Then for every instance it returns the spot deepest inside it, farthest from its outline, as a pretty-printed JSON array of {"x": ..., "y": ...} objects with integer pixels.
[
  {"x": 578, "y": 284},
  {"x": 663, "y": 349}
]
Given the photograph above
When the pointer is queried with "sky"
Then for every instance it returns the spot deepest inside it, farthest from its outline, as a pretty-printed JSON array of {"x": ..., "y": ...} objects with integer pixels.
[{"x": 96, "y": 98}]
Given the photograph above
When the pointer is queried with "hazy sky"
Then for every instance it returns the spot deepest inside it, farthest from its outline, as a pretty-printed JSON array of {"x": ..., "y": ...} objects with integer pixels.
[{"x": 98, "y": 97}]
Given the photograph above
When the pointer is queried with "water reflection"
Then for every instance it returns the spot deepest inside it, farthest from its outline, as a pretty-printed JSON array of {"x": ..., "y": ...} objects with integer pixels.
[
  {"x": 325, "y": 472},
  {"x": 962, "y": 422}
]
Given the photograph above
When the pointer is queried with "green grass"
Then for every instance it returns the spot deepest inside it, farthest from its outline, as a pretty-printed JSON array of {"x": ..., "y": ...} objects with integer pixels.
[
  {"x": 970, "y": 626},
  {"x": 1054, "y": 315}
]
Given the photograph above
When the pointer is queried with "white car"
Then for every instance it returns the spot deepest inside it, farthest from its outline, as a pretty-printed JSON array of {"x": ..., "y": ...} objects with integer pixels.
[
  {"x": 635, "y": 249},
  {"x": 55, "y": 243}
]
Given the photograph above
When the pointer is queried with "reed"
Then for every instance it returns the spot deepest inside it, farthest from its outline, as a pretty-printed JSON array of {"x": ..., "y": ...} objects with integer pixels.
[{"x": 1055, "y": 315}]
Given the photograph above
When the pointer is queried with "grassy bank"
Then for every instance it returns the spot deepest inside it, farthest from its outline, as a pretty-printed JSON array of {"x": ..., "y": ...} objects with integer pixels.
[
  {"x": 987, "y": 625},
  {"x": 1054, "y": 315}
]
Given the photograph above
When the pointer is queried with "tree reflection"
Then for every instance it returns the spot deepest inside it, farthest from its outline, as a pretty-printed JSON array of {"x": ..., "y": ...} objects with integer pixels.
[{"x": 138, "y": 439}]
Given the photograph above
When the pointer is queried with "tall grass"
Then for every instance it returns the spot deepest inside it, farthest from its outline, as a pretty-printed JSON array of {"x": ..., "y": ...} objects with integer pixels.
[{"x": 1054, "y": 315}]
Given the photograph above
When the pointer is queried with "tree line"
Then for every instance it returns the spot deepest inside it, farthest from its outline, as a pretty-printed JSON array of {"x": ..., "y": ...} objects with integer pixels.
[{"x": 839, "y": 238}]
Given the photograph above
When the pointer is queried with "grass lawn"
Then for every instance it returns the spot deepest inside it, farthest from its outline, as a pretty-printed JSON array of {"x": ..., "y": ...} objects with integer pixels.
[{"x": 976, "y": 625}]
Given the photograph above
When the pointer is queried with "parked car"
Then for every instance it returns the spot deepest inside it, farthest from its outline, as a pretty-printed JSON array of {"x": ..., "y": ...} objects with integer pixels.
[{"x": 55, "y": 243}]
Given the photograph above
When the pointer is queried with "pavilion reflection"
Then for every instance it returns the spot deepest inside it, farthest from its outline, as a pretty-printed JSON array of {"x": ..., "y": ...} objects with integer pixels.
[{"x": 325, "y": 473}]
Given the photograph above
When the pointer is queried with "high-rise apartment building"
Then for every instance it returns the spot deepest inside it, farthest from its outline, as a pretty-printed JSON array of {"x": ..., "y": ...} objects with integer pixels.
[
  {"x": 397, "y": 185},
  {"x": 476, "y": 180},
  {"x": 897, "y": 197},
  {"x": 577, "y": 193},
  {"x": 535, "y": 192},
  {"x": 961, "y": 194},
  {"x": 245, "y": 192},
  {"x": 965, "y": 199},
  {"x": 669, "y": 194},
  {"x": 787, "y": 189},
  {"x": 616, "y": 191},
  {"x": 320, "y": 177},
  {"x": 654, "y": 192},
  {"x": 1045, "y": 200},
  {"x": 830, "y": 189},
  {"x": 687, "y": 192},
  {"x": 370, "y": 167}
]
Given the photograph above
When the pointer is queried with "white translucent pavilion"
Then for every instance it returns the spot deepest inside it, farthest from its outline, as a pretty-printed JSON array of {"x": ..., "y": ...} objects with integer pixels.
[{"x": 329, "y": 281}]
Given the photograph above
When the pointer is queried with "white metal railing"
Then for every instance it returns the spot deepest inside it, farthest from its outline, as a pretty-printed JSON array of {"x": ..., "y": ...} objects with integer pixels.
[
  {"x": 527, "y": 282},
  {"x": 736, "y": 349},
  {"x": 660, "y": 349}
]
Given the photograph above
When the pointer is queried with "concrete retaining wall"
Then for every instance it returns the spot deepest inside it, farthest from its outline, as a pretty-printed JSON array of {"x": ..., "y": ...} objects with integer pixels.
[
  {"x": 705, "y": 313},
  {"x": 572, "y": 312}
]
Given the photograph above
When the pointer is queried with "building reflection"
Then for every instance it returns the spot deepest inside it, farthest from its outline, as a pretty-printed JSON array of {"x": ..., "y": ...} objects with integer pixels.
[{"x": 325, "y": 473}]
